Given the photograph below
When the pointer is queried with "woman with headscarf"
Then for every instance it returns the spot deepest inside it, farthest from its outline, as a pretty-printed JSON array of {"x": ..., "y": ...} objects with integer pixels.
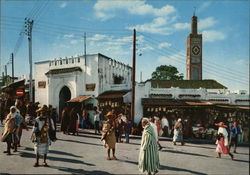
[
  {"x": 149, "y": 155},
  {"x": 9, "y": 129},
  {"x": 40, "y": 135},
  {"x": 178, "y": 132},
  {"x": 222, "y": 141}
]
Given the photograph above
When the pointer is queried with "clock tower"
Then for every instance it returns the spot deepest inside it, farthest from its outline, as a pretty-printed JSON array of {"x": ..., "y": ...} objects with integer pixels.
[{"x": 194, "y": 53}]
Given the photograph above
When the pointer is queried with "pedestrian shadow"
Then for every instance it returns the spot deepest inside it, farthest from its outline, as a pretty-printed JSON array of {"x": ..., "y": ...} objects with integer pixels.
[
  {"x": 89, "y": 136},
  {"x": 76, "y": 141},
  {"x": 244, "y": 161},
  {"x": 243, "y": 153},
  {"x": 181, "y": 152},
  {"x": 55, "y": 152},
  {"x": 59, "y": 159},
  {"x": 79, "y": 171},
  {"x": 199, "y": 146},
  {"x": 63, "y": 153},
  {"x": 164, "y": 167}
]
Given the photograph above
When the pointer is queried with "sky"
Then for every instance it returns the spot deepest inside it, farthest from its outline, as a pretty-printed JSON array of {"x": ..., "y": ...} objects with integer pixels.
[{"x": 162, "y": 27}]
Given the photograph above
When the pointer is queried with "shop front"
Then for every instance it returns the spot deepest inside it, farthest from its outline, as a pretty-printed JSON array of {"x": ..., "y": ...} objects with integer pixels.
[{"x": 114, "y": 100}]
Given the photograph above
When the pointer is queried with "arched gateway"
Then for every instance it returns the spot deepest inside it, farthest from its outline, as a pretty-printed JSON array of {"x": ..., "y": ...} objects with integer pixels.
[{"x": 64, "y": 96}]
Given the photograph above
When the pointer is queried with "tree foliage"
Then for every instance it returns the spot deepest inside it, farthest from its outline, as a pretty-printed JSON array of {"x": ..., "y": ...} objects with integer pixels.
[{"x": 167, "y": 72}]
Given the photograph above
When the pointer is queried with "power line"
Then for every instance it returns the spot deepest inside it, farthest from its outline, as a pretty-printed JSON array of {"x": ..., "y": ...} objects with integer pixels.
[
  {"x": 211, "y": 63},
  {"x": 208, "y": 69},
  {"x": 179, "y": 54}
]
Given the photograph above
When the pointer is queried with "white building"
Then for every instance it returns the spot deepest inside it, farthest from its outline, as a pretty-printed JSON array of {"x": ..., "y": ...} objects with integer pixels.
[
  {"x": 154, "y": 95},
  {"x": 59, "y": 80}
]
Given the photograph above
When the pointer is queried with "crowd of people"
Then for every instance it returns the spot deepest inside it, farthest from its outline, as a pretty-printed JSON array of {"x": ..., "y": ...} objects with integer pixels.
[{"x": 112, "y": 125}]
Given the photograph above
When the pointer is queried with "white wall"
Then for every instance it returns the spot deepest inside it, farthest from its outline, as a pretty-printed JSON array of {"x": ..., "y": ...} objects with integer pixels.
[
  {"x": 98, "y": 70},
  {"x": 41, "y": 94}
]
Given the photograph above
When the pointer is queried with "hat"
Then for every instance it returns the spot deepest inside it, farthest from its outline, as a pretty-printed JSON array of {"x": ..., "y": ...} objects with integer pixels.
[
  {"x": 179, "y": 120},
  {"x": 44, "y": 108},
  {"x": 221, "y": 124}
]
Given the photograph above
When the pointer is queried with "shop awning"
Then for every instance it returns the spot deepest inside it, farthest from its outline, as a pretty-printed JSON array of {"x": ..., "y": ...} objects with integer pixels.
[
  {"x": 112, "y": 94},
  {"x": 162, "y": 102},
  {"x": 234, "y": 107},
  {"x": 80, "y": 99},
  {"x": 198, "y": 103},
  {"x": 173, "y": 102}
]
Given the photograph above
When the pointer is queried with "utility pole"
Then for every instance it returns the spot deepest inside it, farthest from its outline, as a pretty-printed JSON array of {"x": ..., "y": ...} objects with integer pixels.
[
  {"x": 5, "y": 69},
  {"x": 3, "y": 79},
  {"x": 85, "y": 61},
  {"x": 133, "y": 77},
  {"x": 141, "y": 77},
  {"x": 12, "y": 63},
  {"x": 85, "y": 52},
  {"x": 28, "y": 32}
]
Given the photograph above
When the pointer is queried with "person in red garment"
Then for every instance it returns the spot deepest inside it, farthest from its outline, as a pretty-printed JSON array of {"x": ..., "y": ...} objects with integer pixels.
[{"x": 222, "y": 141}]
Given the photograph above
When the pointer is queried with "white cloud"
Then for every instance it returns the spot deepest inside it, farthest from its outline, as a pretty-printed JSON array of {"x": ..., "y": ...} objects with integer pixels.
[
  {"x": 63, "y": 5},
  {"x": 164, "y": 44},
  {"x": 107, "y": 9},
  {"x": 104, "y": 16},
  {"x": 203, "y": 6},
  {"x": 202, "y": 24},
  {"x": 98, "y": 37},
  {"x": 68, "y": 36},
  {"x": 157, "y": 26},
  {"x": 213, "y": 35},
  {"x": 181, "y": 26},
  {"x": 73, "y": 41},
  {"x": 242, "y": 62},
  {"x": 206, "y": 23}
]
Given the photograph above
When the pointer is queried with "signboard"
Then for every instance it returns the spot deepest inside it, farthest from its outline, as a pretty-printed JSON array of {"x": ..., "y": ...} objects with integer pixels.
[
  {"x": 19, "y": 92},
  {"x": 41, "y": 84},
  {"x": 90, "y": 87}
]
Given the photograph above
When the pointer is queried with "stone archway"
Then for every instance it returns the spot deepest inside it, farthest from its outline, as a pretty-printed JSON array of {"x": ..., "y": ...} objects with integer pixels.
[{"x": 64, "y": 96}]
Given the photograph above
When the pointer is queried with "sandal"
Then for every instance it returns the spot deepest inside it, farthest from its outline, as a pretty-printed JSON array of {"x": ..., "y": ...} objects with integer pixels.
[
  {"x": 114, "y": 158},
  {"x": 35, "y": 165},
  {"x": 108, "y": 158},
  {"x": 45, "y": 165}
]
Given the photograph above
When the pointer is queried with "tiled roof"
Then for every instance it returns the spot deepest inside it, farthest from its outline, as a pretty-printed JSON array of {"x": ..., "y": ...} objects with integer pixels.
[
  {"x": 63, "y": 70},
  {"x": 80, "y": 99},
  {"x": 187, "y": 84},
  {"x": 112, "y": 94}
]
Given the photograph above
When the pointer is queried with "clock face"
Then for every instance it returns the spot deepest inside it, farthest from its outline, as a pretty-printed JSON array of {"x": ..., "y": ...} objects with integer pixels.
[{"x": 196, "y": 50}]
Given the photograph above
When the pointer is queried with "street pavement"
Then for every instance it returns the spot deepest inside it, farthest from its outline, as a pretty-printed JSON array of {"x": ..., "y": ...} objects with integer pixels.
[{"x": 85, "y": 154}]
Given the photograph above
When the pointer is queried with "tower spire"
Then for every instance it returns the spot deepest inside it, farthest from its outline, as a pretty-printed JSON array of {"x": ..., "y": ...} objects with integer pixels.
[{"x": 194, "y": 11}]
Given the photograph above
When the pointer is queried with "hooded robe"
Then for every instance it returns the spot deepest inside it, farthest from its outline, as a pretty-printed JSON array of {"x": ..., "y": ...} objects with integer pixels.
[{"x": 149, "y": 155}]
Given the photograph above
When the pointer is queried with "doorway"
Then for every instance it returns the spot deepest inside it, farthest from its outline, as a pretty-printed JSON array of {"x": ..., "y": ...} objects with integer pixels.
[{"x": 64, "y": 96}]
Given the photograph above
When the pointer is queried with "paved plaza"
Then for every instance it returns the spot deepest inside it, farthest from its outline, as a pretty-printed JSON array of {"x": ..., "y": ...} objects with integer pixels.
[{"x": 85, "y": 154}]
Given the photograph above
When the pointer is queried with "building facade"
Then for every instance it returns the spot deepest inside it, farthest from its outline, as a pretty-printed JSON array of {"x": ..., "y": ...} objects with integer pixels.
[
  {"x": 57, "y": 81},
  {"x": 154, "y": 97}
]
